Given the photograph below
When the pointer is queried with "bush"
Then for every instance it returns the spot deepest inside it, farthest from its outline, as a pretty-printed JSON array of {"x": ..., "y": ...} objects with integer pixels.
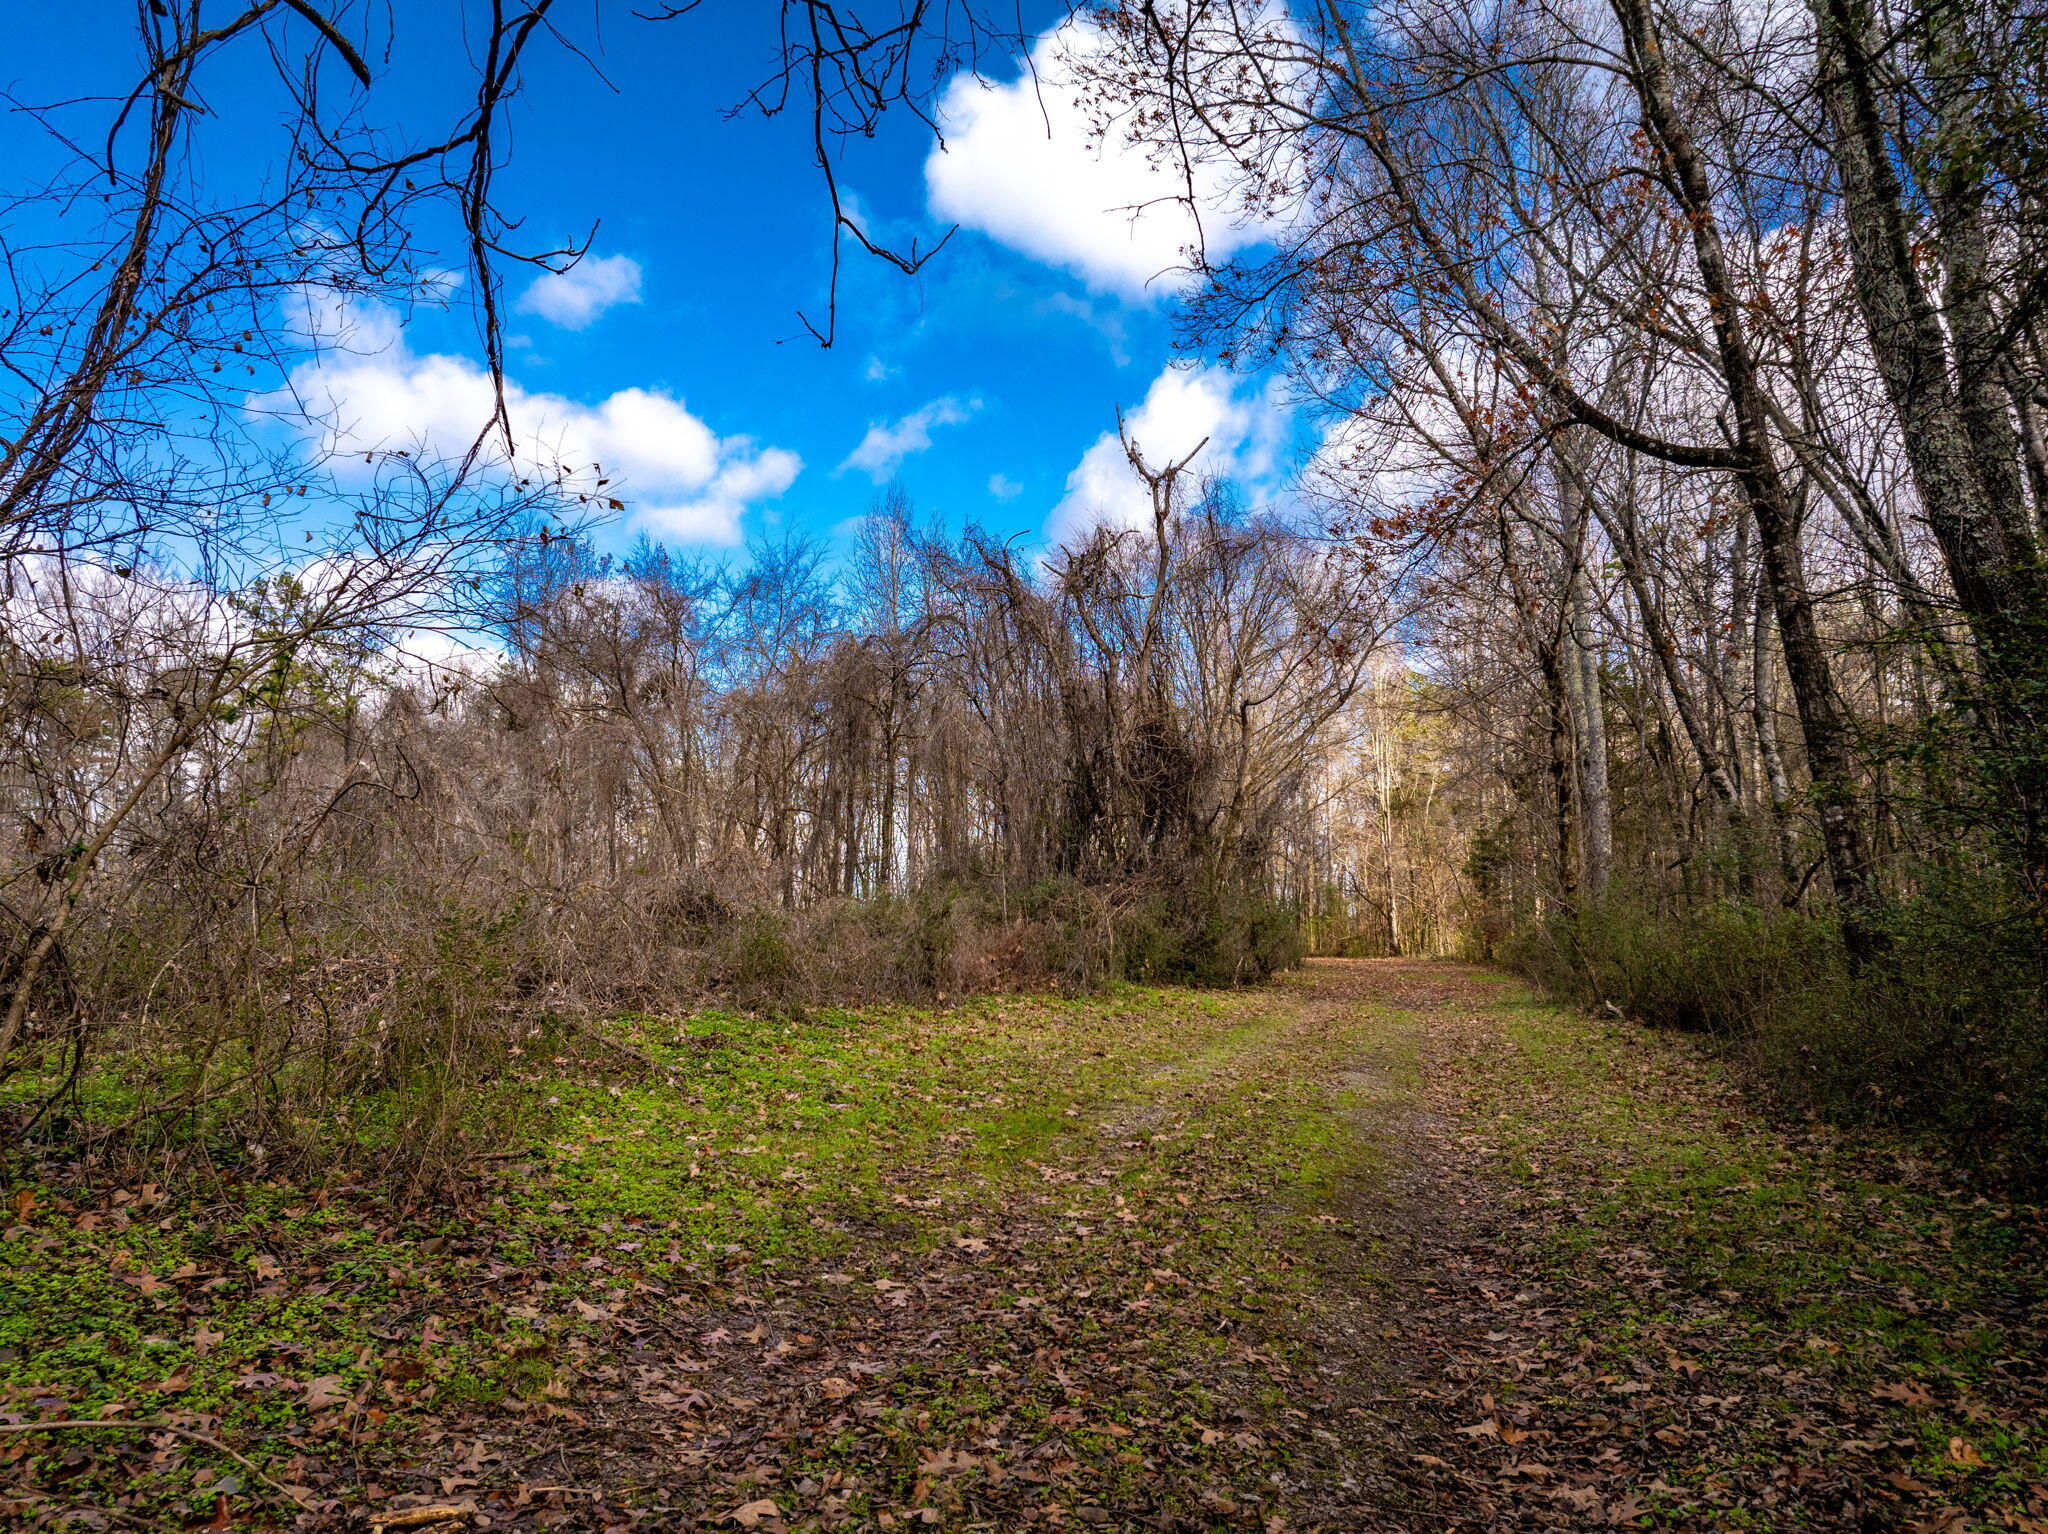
[
  {"x": 368, "y": 1020},
  {"x": 1718, "y": 969},
  {"x": 1944, "y": 1030},
  {"x": 295, "y": 1043},
  {"x": 956, "y": 940}
]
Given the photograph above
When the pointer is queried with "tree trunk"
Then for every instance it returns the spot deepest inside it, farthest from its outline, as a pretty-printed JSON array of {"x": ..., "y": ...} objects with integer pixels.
[
  {"x": 1954, "y": 428},
  {"x": 1830, "y": 748},
  {"x": 1581, "y": 662}
]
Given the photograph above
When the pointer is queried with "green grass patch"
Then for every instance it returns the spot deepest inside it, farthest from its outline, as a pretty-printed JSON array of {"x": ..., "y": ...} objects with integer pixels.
[
  {"x": 1869, "y": 1305},
  {"x": 1146, "y": 1159}
]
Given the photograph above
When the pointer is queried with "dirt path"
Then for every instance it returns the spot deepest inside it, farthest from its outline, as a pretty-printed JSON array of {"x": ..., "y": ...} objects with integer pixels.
[
  {"x": 1385, "y": 1247},
  {"x": 1629, "y": 1299}
]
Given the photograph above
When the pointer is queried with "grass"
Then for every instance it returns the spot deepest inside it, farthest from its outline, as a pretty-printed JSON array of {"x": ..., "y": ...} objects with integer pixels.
[
  {"x": 764, "y": 1162},
  {"x": 1881, "y": 1319},
  {"x": 1031, "y": 1262}
]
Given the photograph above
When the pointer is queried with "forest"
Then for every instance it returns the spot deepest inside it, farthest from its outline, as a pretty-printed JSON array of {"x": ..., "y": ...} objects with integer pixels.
[{"x": 1492, "y": 975}]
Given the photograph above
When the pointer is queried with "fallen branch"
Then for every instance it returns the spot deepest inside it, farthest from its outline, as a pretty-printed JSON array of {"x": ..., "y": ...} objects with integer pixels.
[
  {"x": 591, "y": 1031},
  {"x": 154, "y": 1425}
]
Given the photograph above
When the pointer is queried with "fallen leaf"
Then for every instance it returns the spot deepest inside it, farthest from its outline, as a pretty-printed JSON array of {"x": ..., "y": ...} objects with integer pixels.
[
  {"x": 1943, "y": 1520},
  {"x": 328, "y": 1390},
  {"x": 1626, "y": 1509}
]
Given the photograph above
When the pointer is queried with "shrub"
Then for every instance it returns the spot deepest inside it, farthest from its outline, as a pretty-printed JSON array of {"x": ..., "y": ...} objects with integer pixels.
[
  {"x": 362, "y": 1019},
  {"x": 1944, "y": 1030}
]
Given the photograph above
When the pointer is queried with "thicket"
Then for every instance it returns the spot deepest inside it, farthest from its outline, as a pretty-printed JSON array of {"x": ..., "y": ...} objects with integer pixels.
[
  {"x": 1947, "y": 1033},
  {"x": 343, "y": 915}
]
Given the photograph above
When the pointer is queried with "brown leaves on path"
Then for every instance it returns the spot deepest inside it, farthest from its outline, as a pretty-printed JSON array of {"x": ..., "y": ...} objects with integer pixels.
[{"x": 1632, "y": 1300}]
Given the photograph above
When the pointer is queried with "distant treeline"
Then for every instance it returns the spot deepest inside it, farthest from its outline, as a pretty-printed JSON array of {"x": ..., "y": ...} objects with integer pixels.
[{"x": 361, "y": 879}]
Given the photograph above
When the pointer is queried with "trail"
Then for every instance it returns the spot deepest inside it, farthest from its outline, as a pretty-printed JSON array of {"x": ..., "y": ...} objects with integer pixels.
[
  {"x": 1625, "y": 1297},
  {"x": 1549, "y": 1273},
  {"x": 1385, "y": 1246}
]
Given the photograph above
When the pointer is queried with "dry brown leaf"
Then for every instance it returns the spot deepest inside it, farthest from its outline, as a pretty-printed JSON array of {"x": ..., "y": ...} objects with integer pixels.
[
  {"x": 328, "y": 1390},
  {"x": 1944, "y": 1520},
  {"x": 1626, "y": 1509}
]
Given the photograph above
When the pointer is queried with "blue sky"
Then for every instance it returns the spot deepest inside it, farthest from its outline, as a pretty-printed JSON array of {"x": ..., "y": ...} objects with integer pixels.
[{"x": 986, "y": 384}]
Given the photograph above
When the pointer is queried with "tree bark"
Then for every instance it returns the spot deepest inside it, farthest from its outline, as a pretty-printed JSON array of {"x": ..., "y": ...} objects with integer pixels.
[{"x": 1954, "y": 428}]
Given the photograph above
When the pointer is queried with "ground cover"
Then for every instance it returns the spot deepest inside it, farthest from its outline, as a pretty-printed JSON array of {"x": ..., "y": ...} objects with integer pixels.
[
  {"x": 1009, "y": 1262},
  {"x": 1385, "y": 1246},
  {"x": 1658, "y": 1307}
]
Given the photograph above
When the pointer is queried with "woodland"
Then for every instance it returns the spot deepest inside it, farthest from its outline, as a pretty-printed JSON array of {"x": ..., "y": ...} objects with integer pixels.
[{"x": 1505, "y": 988}]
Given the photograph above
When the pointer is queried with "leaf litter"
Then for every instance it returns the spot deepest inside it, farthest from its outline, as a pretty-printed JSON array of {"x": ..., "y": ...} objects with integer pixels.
[{"x": 1382, "y": 1248}]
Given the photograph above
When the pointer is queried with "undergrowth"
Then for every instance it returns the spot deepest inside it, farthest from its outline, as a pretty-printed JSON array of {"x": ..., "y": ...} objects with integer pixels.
[{"x": 1943, "y": 1029}]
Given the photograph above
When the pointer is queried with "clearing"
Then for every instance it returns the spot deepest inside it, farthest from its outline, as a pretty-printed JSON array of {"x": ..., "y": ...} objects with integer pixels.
[{"x": 1388, "y": 1246}]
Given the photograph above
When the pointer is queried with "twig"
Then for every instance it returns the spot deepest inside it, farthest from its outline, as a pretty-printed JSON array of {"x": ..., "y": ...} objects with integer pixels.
[
  {"x": 155, "y": 1425},
  {"x": 591, "y": 1031},
  {"x": 97, "y": 1511}
]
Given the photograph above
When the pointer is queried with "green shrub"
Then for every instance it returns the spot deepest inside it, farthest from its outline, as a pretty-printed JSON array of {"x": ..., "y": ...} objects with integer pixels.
[{"x": 1944, "y": 1030}]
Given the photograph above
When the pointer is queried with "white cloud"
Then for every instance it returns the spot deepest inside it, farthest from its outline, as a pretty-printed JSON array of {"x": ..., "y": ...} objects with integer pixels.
[
  {"x": 72, "y": 606},
  {"x": 441, "y": 660},
  {"x": 1241, "y": 434},
  {"x": 713, "y": 516},
  {"x": 1018, "y": 165},
  {"x": 370, "y": 391},
  {"x": 885, "y": 446},
  {"x": 576, "y": 297},
  {"x": 1004, "y": 488}
]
